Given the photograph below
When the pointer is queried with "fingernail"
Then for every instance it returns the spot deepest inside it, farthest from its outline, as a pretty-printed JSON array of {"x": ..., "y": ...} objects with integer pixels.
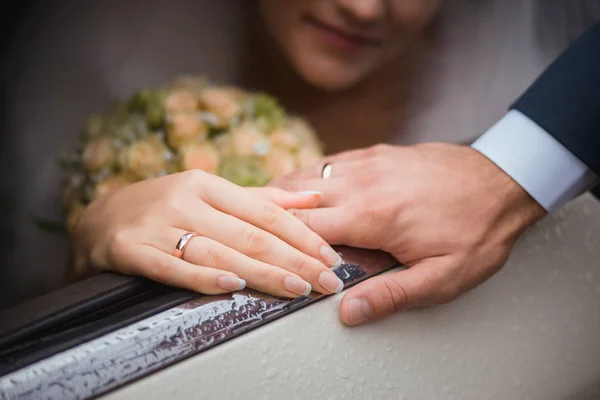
[
  {"x": 298, "y": 286},
  {"x": 358, "y": 311},
  {"x": 331, "y": 282},
  {"x": 310, "y": 192},
  {"x": 330, "y": 256},
  {"x": 227, "y": 282}
]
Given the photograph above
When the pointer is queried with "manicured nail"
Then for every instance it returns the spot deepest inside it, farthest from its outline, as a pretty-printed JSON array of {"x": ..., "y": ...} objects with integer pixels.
[
  {"x": 330, "y": 256},
  {"x": 298, "y": 286},
  {"x": 331, "y": 282},
  {"x": 311, "y": 192},
  {"x": 358, "y": 311},
  {"x": 227, "y": 282}
]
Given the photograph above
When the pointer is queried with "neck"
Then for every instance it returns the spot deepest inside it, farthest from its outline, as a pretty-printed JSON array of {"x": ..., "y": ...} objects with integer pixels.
[{"x": 373, "y": 111}]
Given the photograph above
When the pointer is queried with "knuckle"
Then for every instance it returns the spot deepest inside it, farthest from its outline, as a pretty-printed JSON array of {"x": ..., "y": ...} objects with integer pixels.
[
  {"x": 369, "y": 217},
  {"x": 172, "y": 202},
  {"x": 161, "y": 271},
  {"x": 191, "y": 178},
  {"x": 290, "y": 185},
  {"x": 301, "y": 215},
  {"x": 398, "y": 298},
  {"x": 264, "y": 275},
  {"x": 119, "y": 245},
  {"x": 271, "y": 214},
  {"x": 366, "y": 178},
  {"x": 193, "y": 175},
  {"x": 255, "y": 240},
  {"x": 378, "y": 149},
  {"x": 215, "y": 256},
  {"x": 269, "y": 278},
  {"x": 302, "y": 266},
  {"x": 198, "y": 281}
]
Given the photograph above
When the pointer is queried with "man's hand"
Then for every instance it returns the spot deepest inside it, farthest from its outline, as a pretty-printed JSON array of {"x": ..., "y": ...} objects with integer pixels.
[{"x": 445, "y": 211}]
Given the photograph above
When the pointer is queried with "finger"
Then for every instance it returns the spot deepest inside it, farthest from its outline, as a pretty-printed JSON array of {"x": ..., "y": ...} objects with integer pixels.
[
  {"x": 337, "y": 225},
  {"x": 285, "y": 199},
  {"x": 300, "y": 185},
  {"x": 162, "y": 267},
  {"x": 306, "y": 172},
  {"x": 261, "y": 276},
  {"x": 334, "y": 190},
  {"x": 421, "y": 285},
  {"x": 254, "y": 210},
  {"x": 258, "y": 275},
  {"x": 315, "y": 172},
  {"x": 350, "y": 155},
  {"x": 264, "y": 246}
]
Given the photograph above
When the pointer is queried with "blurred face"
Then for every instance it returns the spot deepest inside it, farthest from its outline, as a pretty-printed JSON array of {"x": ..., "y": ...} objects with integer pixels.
[{"x": 334, "y": 44}]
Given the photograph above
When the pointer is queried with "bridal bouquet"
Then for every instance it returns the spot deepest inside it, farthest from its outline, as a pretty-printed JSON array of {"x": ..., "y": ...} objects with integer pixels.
[{"x": 242, "y": 136}]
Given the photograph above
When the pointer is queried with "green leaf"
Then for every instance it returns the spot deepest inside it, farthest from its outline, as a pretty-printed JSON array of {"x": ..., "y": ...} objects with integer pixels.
[
  {"x": 266, "y": 111},
  {"x": 50, "y": 226},
  {"x": 244, "y": 171},
  {"x": 140, "y": 100}
]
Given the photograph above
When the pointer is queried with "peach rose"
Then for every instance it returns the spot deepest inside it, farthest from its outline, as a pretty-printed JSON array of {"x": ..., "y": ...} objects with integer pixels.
[
  {"x": 285, "y": 139},
  {"x": 200, "y": 156},
  {"x": 145, "y": 158},
  {"x": 185, "y": 128},
  {"x": 279, "y": 163},
  {"x": 247, "y": 140},
  {"x": 111, "y": 184},
  {"x": 181, "y": 101},
  {"x": 98, "y": 154},
  {"x": 223, "y": 102},
  {"x": 193, "y": 84}
]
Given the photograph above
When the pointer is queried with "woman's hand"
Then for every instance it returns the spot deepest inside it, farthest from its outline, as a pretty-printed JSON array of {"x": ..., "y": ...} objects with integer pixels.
[
  {"x": 243, "y": 236},
  {"x": 445, "y": 211}
]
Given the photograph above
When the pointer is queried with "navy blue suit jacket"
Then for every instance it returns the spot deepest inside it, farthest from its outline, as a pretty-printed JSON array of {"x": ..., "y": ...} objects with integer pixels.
[{"x": 565, "y": 99}]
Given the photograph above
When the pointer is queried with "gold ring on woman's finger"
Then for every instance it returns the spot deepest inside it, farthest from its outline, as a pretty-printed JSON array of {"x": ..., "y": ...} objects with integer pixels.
[
  {"x": 326, "y": 171},
  {"x": 182, "y": 243}
]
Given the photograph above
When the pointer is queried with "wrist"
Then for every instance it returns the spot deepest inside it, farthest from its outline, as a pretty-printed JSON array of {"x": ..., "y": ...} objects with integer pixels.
[{"x": 517, "y": 208}]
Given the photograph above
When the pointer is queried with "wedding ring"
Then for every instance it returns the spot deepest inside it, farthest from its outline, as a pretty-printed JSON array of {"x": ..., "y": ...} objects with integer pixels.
[
  {"x": 183, "y": 241},
  {"x": 326, "y": 171}
]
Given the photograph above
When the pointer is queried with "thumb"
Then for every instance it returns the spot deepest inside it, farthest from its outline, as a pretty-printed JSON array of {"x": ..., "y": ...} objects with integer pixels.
[
  {"x": 287, "y": 200},
  {"x": 381, "y": 296}
]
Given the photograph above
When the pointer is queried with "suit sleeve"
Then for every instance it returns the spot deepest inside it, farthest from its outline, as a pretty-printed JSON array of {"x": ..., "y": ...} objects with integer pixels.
[
  {"x": 549, "y": 141},
  {"x": 565, "y": 99}
]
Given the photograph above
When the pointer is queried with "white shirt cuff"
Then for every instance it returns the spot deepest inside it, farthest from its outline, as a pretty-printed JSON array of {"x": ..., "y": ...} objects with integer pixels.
[{"x": 549, "y": 172}]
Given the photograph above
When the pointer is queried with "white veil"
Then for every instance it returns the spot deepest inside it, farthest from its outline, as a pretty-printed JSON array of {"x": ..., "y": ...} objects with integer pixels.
[{"x": 488, "y": 52}]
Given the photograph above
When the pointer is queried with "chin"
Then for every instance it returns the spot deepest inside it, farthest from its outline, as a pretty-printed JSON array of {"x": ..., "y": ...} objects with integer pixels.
[
  {"x": 327, "y": 76},
  {"x": 328, "y": 83}
]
